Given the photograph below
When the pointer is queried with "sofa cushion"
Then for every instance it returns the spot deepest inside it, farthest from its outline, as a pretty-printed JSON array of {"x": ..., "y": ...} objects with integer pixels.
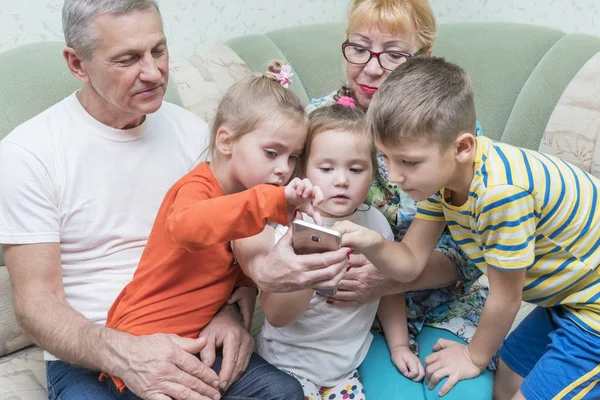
[
  {"x": 23, "y": 375},
  {"x": 258, "y": 50},
  {"x": 11, "y": 338},
  {"x": 573, "y": 131}
]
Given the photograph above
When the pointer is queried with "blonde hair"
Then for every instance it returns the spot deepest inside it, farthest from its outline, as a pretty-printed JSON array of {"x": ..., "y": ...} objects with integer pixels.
[
  {"x": 252, "y": 100},
  {"x": 336, "y": 118},
  {"x": 398, "y": 17},
  {"x": 424, "y": 98}
]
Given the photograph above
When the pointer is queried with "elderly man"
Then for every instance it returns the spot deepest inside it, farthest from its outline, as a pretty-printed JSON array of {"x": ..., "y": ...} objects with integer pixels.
[{"x": 81, "y": 184}]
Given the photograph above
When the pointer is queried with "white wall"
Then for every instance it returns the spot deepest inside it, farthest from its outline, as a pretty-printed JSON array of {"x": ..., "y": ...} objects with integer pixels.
[
  {"x": 567, "y": 15},
  {"x": 190, "y": 23}
]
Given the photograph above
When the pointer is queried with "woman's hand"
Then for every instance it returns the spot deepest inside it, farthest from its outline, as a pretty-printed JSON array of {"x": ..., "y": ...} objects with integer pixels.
[
  {"x": 363, "y": 283},
  {"x": 408, "y": 363}
]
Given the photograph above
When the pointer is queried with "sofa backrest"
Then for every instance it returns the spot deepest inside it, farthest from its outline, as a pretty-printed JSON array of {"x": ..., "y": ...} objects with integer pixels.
[
  {"x": 535, "y": 87},
  {"x": 518, "y": 71}
]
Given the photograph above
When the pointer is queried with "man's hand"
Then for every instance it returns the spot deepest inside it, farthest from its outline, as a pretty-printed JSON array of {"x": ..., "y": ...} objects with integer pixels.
[
  {"x": 363, "y": 283},
  {"x": 282, "y": 270},
  {"x": 226, "y": 331},
  {"x": 245, "y": 298},
  {"x": 160, "y": 367},
  {"x": 302, "y": 196},
  {"x": 408, "y": 363},
  {"x": 452, "y": 360}
]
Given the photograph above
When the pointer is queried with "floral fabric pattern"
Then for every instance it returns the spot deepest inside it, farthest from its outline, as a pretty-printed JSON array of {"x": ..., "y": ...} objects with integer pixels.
[{"x": 349, "y": 388}]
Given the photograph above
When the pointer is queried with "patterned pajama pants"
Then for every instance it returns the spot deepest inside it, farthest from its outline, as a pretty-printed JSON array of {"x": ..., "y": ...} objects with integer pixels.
[{"x": 349, "y": 388}]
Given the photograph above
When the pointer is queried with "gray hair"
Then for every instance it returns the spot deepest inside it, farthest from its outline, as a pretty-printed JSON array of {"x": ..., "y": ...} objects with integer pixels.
[{"x": 78, "y": 20}]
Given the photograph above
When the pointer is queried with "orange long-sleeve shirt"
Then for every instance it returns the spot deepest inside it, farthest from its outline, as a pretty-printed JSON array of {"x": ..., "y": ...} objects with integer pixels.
[{"x": 186, "y": 272}]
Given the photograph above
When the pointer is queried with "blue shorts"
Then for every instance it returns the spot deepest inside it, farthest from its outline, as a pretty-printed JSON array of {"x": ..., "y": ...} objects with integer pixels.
[{"x": 558, "y": 359}]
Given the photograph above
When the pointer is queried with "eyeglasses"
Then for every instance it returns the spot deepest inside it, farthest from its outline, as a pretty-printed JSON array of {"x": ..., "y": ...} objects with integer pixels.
[{"x": 388, "y": 60}]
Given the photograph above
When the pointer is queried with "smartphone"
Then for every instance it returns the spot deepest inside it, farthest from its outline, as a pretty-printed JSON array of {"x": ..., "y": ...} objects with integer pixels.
[{"x": 310, "y": 238}]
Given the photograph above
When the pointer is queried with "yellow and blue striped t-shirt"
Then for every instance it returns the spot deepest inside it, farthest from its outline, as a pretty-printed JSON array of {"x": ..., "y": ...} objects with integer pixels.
[{"x": 530, "y": 210}]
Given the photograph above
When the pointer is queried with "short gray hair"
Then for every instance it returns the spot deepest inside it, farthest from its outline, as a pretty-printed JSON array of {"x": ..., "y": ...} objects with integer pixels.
[{"x": 78, "y": 20}]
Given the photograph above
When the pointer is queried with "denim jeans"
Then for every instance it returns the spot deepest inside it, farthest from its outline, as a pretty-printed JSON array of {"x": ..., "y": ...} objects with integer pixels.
[{"x": 261, "y": 381}]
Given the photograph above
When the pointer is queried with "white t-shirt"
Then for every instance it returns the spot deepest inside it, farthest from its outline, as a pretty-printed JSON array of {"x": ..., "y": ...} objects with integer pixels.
[
  {"x": 67, "y": 178},
  {"x": 327, "y": 341}
]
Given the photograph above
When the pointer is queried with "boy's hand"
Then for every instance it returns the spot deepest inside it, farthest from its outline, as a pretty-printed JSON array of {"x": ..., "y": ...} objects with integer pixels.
[
  {"x": 452, "y": 360},
  {"x": 303, "y": 196},
  {"x": 408, "y": 363},
  {"x": 358, "y": 237}
]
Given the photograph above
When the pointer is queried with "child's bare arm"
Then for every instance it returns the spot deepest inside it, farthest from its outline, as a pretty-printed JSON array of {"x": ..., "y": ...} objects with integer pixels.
[
  {"x": 457, "y": 361},
  {"x": 392, "y": 315},
  {"x": 403, "y": 261},
  {"x": 499, "y": 312},
  {"x": 282, "y": 309}
]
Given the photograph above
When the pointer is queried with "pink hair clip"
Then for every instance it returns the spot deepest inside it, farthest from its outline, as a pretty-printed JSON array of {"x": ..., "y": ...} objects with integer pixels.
[
  {"x": 284, "y": 76},
  {"x": 346, "y": 101}
]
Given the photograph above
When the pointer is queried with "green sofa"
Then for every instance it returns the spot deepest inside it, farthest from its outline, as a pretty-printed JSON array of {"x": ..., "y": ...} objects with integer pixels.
[{"x": 535, "y": 87}]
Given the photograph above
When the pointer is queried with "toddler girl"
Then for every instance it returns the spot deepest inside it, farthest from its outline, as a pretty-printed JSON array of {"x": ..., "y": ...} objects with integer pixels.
[{"x": 320, "y": 344}]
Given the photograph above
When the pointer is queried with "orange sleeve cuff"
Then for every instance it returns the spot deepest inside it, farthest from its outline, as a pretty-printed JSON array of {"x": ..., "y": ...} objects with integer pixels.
[
  {"x": 117, "y": 381},
  {"x": 282, "y": 209}
]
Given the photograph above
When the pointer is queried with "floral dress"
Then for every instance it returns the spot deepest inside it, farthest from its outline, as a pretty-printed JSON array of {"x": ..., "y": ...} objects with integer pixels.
[{"x": 456, "y": 308}]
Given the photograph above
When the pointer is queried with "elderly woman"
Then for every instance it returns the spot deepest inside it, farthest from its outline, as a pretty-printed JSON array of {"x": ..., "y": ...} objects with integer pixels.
[{"x": 381, "y": 35}]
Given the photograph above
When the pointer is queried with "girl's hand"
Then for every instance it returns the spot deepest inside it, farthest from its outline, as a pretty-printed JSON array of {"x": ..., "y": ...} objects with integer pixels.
[
  {"x": 301, "y": 195},
  {"x": 408, "y": 363},
  {"x": 358, "y": 237},
  {"x": 453, "y": 360},
  {"x": 245, "y": 298}
]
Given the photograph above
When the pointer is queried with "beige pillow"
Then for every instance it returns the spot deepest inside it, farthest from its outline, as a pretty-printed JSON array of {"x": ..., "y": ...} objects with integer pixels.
[
  {"x": 573, "y": 130},
  {"x": 202, "y": 79},
  {"x": 11, "y": 338}
]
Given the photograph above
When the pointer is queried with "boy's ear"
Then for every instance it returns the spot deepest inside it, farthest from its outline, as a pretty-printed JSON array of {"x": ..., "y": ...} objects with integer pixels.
[
  {"x": 224, "y": 141},
  {"x": 465, "y": 145}
]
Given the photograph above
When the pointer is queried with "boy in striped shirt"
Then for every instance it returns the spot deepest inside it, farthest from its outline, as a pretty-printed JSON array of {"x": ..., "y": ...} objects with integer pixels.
[{"x": 529, "y": 221}]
